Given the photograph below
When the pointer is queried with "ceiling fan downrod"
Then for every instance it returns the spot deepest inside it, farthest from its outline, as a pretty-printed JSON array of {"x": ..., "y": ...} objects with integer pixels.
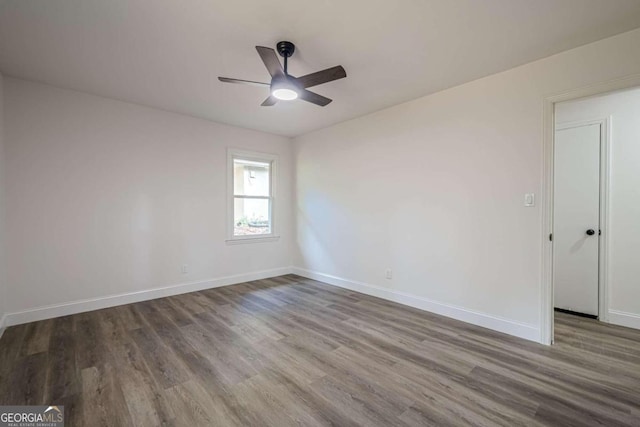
[{"x": 285, "y": 49}]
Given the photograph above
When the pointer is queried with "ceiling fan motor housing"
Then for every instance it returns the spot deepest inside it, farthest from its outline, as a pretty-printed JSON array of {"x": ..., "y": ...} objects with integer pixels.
[{"x": 285, "y": 49}]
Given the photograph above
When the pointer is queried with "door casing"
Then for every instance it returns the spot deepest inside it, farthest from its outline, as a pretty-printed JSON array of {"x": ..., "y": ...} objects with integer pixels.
[{"x": 548, "y": 125}]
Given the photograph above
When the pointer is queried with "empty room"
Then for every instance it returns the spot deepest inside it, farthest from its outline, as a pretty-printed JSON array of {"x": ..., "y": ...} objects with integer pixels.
[{"x": 346, "y": 213}]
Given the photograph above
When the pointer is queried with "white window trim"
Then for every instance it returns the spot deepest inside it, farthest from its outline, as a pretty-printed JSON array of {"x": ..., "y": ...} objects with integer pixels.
[{"x": 232, "y": 154}]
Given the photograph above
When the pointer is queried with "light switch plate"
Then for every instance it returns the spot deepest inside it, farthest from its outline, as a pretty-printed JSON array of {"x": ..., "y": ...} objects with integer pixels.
[{"x": 529, "y": 200}]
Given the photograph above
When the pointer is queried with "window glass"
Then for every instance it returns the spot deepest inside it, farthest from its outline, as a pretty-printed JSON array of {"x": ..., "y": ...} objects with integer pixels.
[
  {"x": 252, "y": 196},
  {"x": 251, "y": 216},
  {"x": 251, "y": 178}
]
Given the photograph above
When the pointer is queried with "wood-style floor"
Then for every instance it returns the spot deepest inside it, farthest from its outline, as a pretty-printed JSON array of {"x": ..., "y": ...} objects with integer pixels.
[{"x": 292, "y": 351}]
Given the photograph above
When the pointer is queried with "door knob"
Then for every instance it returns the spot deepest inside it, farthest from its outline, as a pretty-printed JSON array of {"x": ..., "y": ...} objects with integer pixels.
[{"x": 591, "y": 232}]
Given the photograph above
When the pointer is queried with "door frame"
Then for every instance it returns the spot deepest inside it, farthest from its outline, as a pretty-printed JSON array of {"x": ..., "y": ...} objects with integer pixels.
[
  {"x": 603, "y": 214},
  {"x": 548, "y": 116}
]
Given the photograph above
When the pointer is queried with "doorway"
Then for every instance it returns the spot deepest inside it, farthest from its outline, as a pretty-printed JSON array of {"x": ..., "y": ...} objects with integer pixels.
[
  {"x": 611, "y": 109},
  {"x": 580, "y": 190}
]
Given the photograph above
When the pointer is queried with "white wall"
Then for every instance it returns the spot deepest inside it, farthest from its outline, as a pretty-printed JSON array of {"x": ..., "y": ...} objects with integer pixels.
[
  {"x": 108, "y": 198},
  {"x": 434, "y": 189},
  {"x": 3, "y": 283},
  {"x": 624, "y": 195}
]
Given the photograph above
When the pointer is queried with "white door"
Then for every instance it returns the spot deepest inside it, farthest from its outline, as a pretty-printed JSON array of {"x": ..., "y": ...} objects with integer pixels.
[{"x": 576, "y": 218}]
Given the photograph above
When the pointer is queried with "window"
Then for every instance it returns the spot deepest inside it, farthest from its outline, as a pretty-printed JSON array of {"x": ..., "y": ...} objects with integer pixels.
[{"x": 251, "y": 195}]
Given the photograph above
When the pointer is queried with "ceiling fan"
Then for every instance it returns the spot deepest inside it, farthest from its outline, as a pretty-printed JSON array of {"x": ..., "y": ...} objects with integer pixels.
[{"x": 285, "y": 87}]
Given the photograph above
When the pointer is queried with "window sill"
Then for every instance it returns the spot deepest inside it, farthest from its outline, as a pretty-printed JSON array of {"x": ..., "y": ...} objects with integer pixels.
[{"x": 241, "y": 241}]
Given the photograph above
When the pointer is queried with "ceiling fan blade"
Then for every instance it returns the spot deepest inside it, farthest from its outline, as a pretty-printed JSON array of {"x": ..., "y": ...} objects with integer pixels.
[
  {"x": 324, "y": 76},
  {"x": 271, "y": 61},
  {"x": 271, "y": 100},
  {"x": 314, "y": 98},
  {"x": 245, "y": 82}
]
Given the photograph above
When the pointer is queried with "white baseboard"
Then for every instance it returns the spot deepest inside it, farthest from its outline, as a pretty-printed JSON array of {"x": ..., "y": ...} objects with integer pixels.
[
  {"x": 521, "y": 330},
  {"x": 622, "y": 318},
  {"x": 3, "y": 326},
  {"x": 57, "y": 310},
  {"x": 507, "y": 326}
]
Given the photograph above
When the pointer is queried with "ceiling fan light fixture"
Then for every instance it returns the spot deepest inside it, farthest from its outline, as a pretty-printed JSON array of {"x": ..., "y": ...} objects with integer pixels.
[{"x": 284, "y": 91}]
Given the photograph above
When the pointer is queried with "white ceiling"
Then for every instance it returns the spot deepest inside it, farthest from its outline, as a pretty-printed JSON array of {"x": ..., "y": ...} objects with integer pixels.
[{"x": 168, "y": 54}]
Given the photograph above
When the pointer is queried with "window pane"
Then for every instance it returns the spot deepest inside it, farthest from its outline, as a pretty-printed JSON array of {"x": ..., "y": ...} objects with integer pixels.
[
  {"x": 251, "y": 178},
  {"x": 251, "y": 216}
]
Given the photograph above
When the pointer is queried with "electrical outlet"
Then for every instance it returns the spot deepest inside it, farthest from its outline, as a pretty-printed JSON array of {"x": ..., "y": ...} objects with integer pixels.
[
  {"x": 184, "y": 269},
  {"x": 389, "y": 273}
]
